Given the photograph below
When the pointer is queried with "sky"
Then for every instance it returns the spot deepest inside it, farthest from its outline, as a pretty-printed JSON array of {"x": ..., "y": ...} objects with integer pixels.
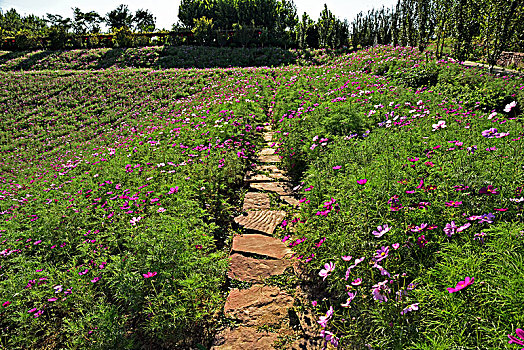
[{"x": 166, "y": 11}]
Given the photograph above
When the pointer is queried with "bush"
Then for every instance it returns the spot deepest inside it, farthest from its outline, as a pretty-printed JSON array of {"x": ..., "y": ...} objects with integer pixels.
[{"x": 123, "y": 37}]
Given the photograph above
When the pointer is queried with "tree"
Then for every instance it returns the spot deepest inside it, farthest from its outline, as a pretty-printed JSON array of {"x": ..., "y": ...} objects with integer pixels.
[
  {"x": 499, "y": 21},
  {"x": 86, "y": 22},
  {"x": 144, "y": 21},
  {"x": 120, "y": 17}
]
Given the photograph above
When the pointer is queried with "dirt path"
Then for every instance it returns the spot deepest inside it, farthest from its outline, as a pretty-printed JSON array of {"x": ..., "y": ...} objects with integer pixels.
[{"x": 265, "y": 313}]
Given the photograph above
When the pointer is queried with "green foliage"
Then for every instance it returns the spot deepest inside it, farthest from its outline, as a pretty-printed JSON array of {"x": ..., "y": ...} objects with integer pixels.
[
  {"x": 203, "y": 30},
  {"x": 26, "y": 40},
  {"x": 123, "y": 37}
]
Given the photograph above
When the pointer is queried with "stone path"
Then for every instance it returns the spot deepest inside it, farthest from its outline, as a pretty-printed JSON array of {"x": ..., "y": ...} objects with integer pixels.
[{"x": 262, "y": 311}]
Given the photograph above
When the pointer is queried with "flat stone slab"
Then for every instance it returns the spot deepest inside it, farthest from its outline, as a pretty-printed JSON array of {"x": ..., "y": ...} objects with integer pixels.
[
  {"x": 280, "y": 188},
  {"x": 290, "y": 200},
  {"x": 248, "y": 269},
  {"x": 264, "y": 221},
  {"x": 243, "y": 338},
  {"x": 269, "y": 158},
  {"x": 268, "y": 168},
  {"x": 256, "y": 201},
  {"x": 258, "y": 305},
  {"x": 267, "y": 151},
  {"x": 261, "y": 245},
  {"x": 268, "y": 136},
  {"x": 254, "y": 177}
]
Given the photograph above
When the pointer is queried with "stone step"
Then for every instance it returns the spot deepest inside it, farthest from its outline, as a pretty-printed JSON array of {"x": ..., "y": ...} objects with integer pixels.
[
  {"x": 248, "y": 269},
  {"x": 254, "y": 177},
  {"x": 264, "y": 221},
  {"x": 269, "y": 158},
  {"x": 290, "y": 200},
  {"x": 260, "y": 245},
  {"x": 267, "y": 151},
  {"x": 280, "y": 188},
  {"x": 243, "y": 338},
  {"x": 258, "y": 305},
  {"x": 268, "y": 136},
  {"x": 268, "y": 168},
  {"x": 256, "y": 201}
]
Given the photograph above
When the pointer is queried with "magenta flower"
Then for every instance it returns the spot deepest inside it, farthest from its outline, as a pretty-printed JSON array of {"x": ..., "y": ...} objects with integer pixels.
[
  {"x": 328, "y": 268},
  {"x": 461, "y": 285},
  {"x": 337, "y": 167},
  {"x": 514, "y": 340},
  {"x": 173, "y": 190},
  {"x": 149, "y": 274},
  {"x": 381, "y": 230},
  {"x": 488, "y": 190},
  {"x": 420, "y": 228},
  {"x": 453, "y": 204},
  {"x": 6, "y": 304},
  {"x": 362, "y": 181},
  {"x": 357, "y": 282}
]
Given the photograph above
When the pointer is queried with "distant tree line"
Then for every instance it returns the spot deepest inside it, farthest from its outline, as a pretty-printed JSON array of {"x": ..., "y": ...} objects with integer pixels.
[
  {"x": 481, "y": 28},
  {"x": 201, "y": 22}
]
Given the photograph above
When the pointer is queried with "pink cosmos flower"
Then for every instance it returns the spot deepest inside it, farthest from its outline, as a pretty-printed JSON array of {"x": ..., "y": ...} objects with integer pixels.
[
  {"x": 509, "y": 106},
  {"x": 346, "y": 257},
  {"x": 149, "y": 274},
  {"x": 350, "y": 299},
  {"x": 323, "y": 320},
  {"x": 173, "y": 190},
  {"x": 461, "y": 285},
  {"x": 395, "y": 245},
  {"x": 362, "y": 181},
  {"x": 381, "y": 230},
  {"x": 440, "y": 125},
  {"x": 453, "y": 204},
  {"x": 514, "y": 340},
  {"x": 328, "y": 268},
  {"x": 337, "y": 167},
  {"x": 135, "y": 220},
  {"x": 6, "y": 304},
  {"x": 357, "y": 282}
]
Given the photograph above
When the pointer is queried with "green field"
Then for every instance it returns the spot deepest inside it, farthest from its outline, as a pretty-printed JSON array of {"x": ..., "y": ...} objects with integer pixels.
[{"x": 118, "y": 188}]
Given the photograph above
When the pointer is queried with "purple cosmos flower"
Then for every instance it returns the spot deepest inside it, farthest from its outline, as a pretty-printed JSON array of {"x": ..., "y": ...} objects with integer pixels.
[
  {"x": 488, "y": 218},
  {"x": 378, "y": 288},
  {"x": 409, "y": 308},
  {"x": 328, "y": 268},
  {"x": 490, "y": 133},
  {"x": 381, "y": 230},
  {"x": 450, "y": 229},
  {"x": 381, "y": 254},
  {"x": 488, "y": 190},
  {"x": 480, "y": 237},
  {"x": 330, "y": 337},
  {"x": 462, "y": 284},
  {"x": 362, "y": 181},
  {"x": 513, "y": 340}
]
